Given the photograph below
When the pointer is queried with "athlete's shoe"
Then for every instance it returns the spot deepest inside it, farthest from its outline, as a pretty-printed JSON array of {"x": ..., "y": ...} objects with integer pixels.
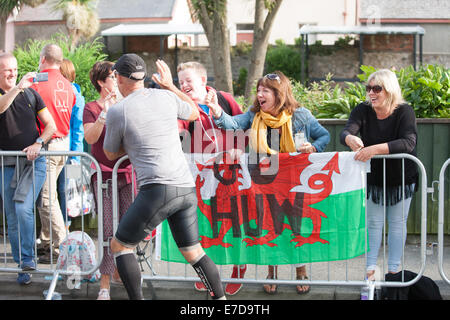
[{"x": 238, "y": 273}]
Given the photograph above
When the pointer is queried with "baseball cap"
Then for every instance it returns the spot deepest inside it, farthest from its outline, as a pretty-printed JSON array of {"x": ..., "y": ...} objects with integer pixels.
[{"x": 132, "y": 66}]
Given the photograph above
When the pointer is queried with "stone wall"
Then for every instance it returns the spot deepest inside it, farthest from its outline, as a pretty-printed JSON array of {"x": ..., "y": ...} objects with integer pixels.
[
  {"x": 343, "y": 63},
  {"x": 199, "y": 54}
]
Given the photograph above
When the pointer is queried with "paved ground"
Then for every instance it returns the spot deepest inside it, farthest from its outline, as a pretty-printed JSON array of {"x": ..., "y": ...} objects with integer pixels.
[{"x": 343, "y": 271}]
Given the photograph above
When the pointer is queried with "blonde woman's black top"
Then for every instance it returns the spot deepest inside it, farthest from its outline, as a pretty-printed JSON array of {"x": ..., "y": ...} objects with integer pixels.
[{"x": 399, "y": 131}]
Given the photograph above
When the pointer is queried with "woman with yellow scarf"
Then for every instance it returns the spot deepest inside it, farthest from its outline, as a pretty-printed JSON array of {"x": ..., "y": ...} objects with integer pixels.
[{"x": 275, "y": 112}]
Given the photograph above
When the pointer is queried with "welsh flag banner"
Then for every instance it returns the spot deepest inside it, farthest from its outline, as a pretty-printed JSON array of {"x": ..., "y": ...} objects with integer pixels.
[{"x": 286, "y": 209}]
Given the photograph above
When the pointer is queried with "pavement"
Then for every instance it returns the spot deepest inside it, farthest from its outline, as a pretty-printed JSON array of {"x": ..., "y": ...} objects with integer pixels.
[{"x": 342, "y": 271}]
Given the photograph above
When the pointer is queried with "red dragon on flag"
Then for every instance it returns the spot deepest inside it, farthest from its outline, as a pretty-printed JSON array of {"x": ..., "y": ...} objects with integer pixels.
[{"x": 251, "y": 193}]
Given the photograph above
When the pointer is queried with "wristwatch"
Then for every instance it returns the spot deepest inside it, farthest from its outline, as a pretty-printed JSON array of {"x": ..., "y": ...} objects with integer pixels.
[{"x": 39, "y": 140}]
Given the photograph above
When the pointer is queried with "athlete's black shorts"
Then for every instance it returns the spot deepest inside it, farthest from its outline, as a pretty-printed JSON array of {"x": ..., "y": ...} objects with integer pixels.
[{"x": 154, "y": 204}]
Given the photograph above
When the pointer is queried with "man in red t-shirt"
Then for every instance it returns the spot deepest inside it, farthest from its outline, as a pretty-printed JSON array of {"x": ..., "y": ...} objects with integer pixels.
[{"x": 59, "y": 98}]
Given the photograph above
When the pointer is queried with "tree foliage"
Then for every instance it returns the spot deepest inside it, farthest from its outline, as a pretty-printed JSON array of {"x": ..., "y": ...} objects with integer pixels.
[
  {"x": 6, "y": 9},
  {"x": 81, "y": 18}
]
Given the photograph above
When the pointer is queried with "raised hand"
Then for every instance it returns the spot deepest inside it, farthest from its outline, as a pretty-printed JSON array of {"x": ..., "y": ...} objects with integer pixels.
[
  {"x": 164, "y": 80},
  {"x": 212, "y": 102}
]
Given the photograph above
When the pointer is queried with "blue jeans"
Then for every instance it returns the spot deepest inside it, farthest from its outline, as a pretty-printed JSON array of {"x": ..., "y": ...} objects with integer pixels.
[
  {"x": 61, "y": 187},
  {"x": 396, "y": 221},
  {"x": 20, "y": 215}
]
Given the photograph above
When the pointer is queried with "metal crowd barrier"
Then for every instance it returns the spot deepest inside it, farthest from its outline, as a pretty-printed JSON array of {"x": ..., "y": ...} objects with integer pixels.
[
  {"x": 441, "y": 221},
  {"x": 8, "y": 266},
  {"x": 320, "y": 274}
]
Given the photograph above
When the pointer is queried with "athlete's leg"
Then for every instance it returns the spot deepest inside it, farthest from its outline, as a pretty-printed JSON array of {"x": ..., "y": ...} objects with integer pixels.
[
  {"x": 130, "y": 232},
  {"x": 206, "y": 269},
  {"x": 184, "y": 227},
  {"x": 128, "y": 269}
]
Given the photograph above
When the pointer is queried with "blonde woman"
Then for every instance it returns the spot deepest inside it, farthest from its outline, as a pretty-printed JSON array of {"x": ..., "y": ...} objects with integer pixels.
[{"x": 386, "y": 125}]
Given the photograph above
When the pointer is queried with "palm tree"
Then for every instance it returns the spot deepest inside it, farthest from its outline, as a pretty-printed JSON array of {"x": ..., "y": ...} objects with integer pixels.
[
  {"x": 81, "y": 18},
  {"x": 7, "y": 7}
]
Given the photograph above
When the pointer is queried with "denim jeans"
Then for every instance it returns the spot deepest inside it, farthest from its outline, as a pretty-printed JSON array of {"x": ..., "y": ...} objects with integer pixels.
[
  {"x": 396, "y": 222},
  {"x": 20, "y": 215},
  {"x": 61, "y": 187}
]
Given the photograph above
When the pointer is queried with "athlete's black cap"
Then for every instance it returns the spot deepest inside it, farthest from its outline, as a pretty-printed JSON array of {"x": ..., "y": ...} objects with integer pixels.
[{"x": 132, "y": 66}]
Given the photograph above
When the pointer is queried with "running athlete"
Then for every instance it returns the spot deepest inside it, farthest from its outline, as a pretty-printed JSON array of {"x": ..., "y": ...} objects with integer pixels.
[{"x": 144, "y": 126}]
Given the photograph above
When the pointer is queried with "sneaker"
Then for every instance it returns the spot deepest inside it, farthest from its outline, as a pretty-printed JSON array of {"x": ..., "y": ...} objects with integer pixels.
[
  {"x": 41, "y": 247},
  {"x": 24, "y": 278},
  {"x": 238, "y": 273},
  {"x": 103, "y": 294},
  {"x": 45, "y": 259},
  {"x": 28, "y": 266}
]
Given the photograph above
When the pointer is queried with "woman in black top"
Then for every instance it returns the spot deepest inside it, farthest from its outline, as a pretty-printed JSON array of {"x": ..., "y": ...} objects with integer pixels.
[{"x": 386, "y": 125}]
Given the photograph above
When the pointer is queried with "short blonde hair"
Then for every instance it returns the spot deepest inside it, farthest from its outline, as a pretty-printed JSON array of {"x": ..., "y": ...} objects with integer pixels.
[
  {"x": 388, "y": 80},
  {"x": 196, "y": 66}
]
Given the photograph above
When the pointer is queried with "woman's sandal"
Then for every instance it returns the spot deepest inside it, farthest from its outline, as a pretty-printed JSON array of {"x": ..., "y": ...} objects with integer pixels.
[
  {"x": 270, "y": 288},
  {"x": 300, "y": 288}
]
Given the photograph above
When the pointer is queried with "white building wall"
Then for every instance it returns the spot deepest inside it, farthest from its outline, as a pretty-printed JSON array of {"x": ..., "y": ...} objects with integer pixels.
[{"x": 294, "y": 13}]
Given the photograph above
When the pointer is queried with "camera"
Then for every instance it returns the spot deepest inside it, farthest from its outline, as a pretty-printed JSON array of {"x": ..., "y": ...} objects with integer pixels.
[{"x": 40, "y": 77}]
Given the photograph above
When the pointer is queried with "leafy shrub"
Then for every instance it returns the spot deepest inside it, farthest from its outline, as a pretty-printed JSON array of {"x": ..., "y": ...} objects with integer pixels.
[
  {"x": 284, "y": 58},
  {"x": 427, "y": 90},
  {"x": 326, "y": 99},
  {"x": 239, "y": 84},
  {"x": 83, "y": 57}
]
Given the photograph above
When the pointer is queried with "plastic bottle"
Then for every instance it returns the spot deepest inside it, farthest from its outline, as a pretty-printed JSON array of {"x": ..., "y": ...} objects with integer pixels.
[{"x": 365, "y": 293}]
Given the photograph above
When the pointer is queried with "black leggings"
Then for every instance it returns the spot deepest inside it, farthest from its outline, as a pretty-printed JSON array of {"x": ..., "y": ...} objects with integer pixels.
[{"x": 154, "y": 204}]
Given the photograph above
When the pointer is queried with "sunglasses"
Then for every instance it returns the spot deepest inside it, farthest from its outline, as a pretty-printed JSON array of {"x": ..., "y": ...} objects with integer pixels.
[
  {"x": 375, "y": 89},
  {"x": 273, "y": 76}
]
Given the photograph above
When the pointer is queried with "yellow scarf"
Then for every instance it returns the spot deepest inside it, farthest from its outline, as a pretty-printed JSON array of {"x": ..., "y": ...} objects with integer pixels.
[{"x": 258, "y": 135}]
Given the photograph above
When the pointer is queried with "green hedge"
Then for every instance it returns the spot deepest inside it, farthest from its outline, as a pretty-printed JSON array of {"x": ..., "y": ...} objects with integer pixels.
[
  {"x": 427, "y": 90},
  {"x": 83, "y": 57}
]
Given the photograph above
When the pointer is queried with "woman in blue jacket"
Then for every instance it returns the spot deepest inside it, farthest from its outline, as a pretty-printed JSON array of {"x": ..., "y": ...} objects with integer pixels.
[{"x": 275, "y": 112}]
